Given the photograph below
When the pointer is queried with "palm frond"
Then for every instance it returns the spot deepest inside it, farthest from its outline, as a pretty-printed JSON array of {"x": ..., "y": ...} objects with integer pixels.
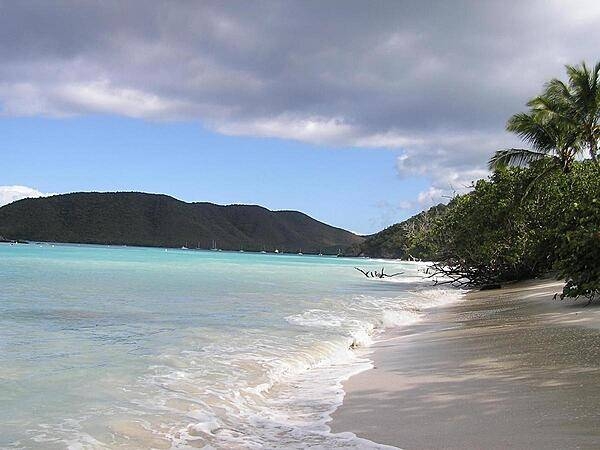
[
  {"x": 583, "y": 85},
  {"x": 533, "y": 129},
  {"x": 550, "y": 107},
  {"x": 557, "y": 93},
  {"x": 515, "y": 157}
]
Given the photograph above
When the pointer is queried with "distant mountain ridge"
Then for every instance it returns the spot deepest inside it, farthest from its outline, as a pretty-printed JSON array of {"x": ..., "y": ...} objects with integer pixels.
[
  {"x": 395, "y": 241},
  {"x": 156, "y": 220}
]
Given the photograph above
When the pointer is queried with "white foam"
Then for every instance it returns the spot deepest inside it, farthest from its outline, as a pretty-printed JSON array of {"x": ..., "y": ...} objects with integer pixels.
[
  {"x": 203, "y": 423},
  {"x": 400, "y": 318},
  {"x": 316, "y": 318}
]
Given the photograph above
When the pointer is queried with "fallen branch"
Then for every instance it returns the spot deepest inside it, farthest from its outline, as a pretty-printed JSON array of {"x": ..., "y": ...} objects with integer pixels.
[
  {"x": 460, "y": 275},
  {"x": 375, "y": 274}
]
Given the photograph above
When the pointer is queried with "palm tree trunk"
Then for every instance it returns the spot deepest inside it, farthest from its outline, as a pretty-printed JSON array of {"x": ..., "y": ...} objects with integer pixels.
[{"x": 593, "y": 146}]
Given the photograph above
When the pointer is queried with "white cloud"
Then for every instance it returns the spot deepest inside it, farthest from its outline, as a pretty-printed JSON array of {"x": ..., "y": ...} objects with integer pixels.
[
  {"x": 101, "y": 97},
  {"x": 96, "y": 96},
  {"x": 449, "y": 162},
  {"x": 316, "y": 130},
  {"x": 431, "y": 196},
  {"x": 9, "y": 194}
]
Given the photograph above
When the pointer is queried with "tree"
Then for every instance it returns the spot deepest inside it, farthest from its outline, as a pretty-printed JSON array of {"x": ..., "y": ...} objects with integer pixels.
[
  {"x": 493, "y": 234},
  {"x": 561, "y": 122},
  {"x": 575, "y": 104},
  {"x": 551, "y": 140}
]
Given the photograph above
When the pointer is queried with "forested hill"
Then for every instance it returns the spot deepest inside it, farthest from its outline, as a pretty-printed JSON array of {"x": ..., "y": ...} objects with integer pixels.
[
  {"x": 398, "y": 241},
  {"x": 133, "y": 218}
]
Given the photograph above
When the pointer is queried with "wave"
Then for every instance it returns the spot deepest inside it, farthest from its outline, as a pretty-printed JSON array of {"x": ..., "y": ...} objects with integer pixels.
[{"x": 291, "y": 407}]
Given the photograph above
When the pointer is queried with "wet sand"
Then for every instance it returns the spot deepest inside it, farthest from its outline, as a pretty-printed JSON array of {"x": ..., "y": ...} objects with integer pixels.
[{"x": 509, "y": 368}]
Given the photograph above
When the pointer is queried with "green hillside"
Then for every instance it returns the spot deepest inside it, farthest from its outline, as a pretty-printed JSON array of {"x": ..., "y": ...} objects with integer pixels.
[{"x": 133, "y": 218}]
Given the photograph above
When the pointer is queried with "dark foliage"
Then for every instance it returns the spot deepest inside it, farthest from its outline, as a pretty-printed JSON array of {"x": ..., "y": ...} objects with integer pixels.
[
  {"x": 132, "y": 218},
  {"x": 512, "y": 226},
  {"x": 578, "y": 259}
]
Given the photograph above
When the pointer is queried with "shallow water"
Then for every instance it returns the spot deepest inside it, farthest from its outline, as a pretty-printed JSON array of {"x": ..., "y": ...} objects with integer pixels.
[{"x": 112, "y": 347}]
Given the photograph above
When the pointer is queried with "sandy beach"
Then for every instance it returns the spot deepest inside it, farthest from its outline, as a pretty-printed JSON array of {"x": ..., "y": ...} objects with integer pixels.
[{"x": 508, "y": 368}]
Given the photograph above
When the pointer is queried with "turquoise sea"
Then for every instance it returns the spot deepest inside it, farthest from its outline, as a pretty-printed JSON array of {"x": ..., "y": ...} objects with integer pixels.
[{"x": 114, "y": 347}]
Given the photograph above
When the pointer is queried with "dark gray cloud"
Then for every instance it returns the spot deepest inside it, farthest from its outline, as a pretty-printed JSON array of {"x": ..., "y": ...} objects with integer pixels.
[{"x": 436, "y": 79}]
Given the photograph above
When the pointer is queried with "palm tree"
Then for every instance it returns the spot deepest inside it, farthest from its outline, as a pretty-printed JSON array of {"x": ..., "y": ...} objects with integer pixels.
[
  {"x": 550, "y": 139},
  {"x": 561, "y": 122},
  {"x": 576, "y": 103}
]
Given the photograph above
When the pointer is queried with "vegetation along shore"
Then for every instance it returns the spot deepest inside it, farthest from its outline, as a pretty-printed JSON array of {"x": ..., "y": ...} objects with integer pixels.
[{"x": 539, "y": 211}]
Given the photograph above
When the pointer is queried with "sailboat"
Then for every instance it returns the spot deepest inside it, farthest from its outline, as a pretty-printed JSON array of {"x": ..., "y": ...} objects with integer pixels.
[
  {"x": 214, "y": 246},
  {"x": 300, "y": 252}
]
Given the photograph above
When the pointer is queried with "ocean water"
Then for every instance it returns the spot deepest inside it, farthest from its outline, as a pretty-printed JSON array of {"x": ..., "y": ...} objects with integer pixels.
[{"x": 112, "y": 347}]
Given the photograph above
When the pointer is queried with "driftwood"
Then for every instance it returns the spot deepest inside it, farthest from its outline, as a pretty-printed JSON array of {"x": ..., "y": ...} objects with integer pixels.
[
  {"x": 448, "y": 275},
  {"x": 460, "y": 274},
  {"x": 375, "y": 274}
]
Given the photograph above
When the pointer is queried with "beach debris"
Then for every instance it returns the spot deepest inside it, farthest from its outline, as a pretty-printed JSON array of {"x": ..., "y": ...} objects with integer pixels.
[
  {"x": 375, "y": 274},
  {"x": 591, "y": 297},
  {"x": 455, "y": 274}
]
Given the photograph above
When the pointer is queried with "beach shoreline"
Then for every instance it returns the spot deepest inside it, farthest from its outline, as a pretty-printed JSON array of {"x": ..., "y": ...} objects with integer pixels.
[{"x": 508, "y": 368}]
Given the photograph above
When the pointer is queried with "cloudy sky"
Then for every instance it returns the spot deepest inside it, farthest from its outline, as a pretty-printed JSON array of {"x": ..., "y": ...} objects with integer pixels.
[{"x": 358, "y": 113}]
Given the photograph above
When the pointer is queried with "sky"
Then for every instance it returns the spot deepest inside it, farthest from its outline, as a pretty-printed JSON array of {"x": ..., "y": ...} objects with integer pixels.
[{"x": 357, "y": 113}]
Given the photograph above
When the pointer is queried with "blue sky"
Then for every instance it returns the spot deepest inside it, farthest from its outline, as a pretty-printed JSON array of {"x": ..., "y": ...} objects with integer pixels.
[
  {"x": 346, "y": 187},
  {"x": 356, "y": 113}
]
